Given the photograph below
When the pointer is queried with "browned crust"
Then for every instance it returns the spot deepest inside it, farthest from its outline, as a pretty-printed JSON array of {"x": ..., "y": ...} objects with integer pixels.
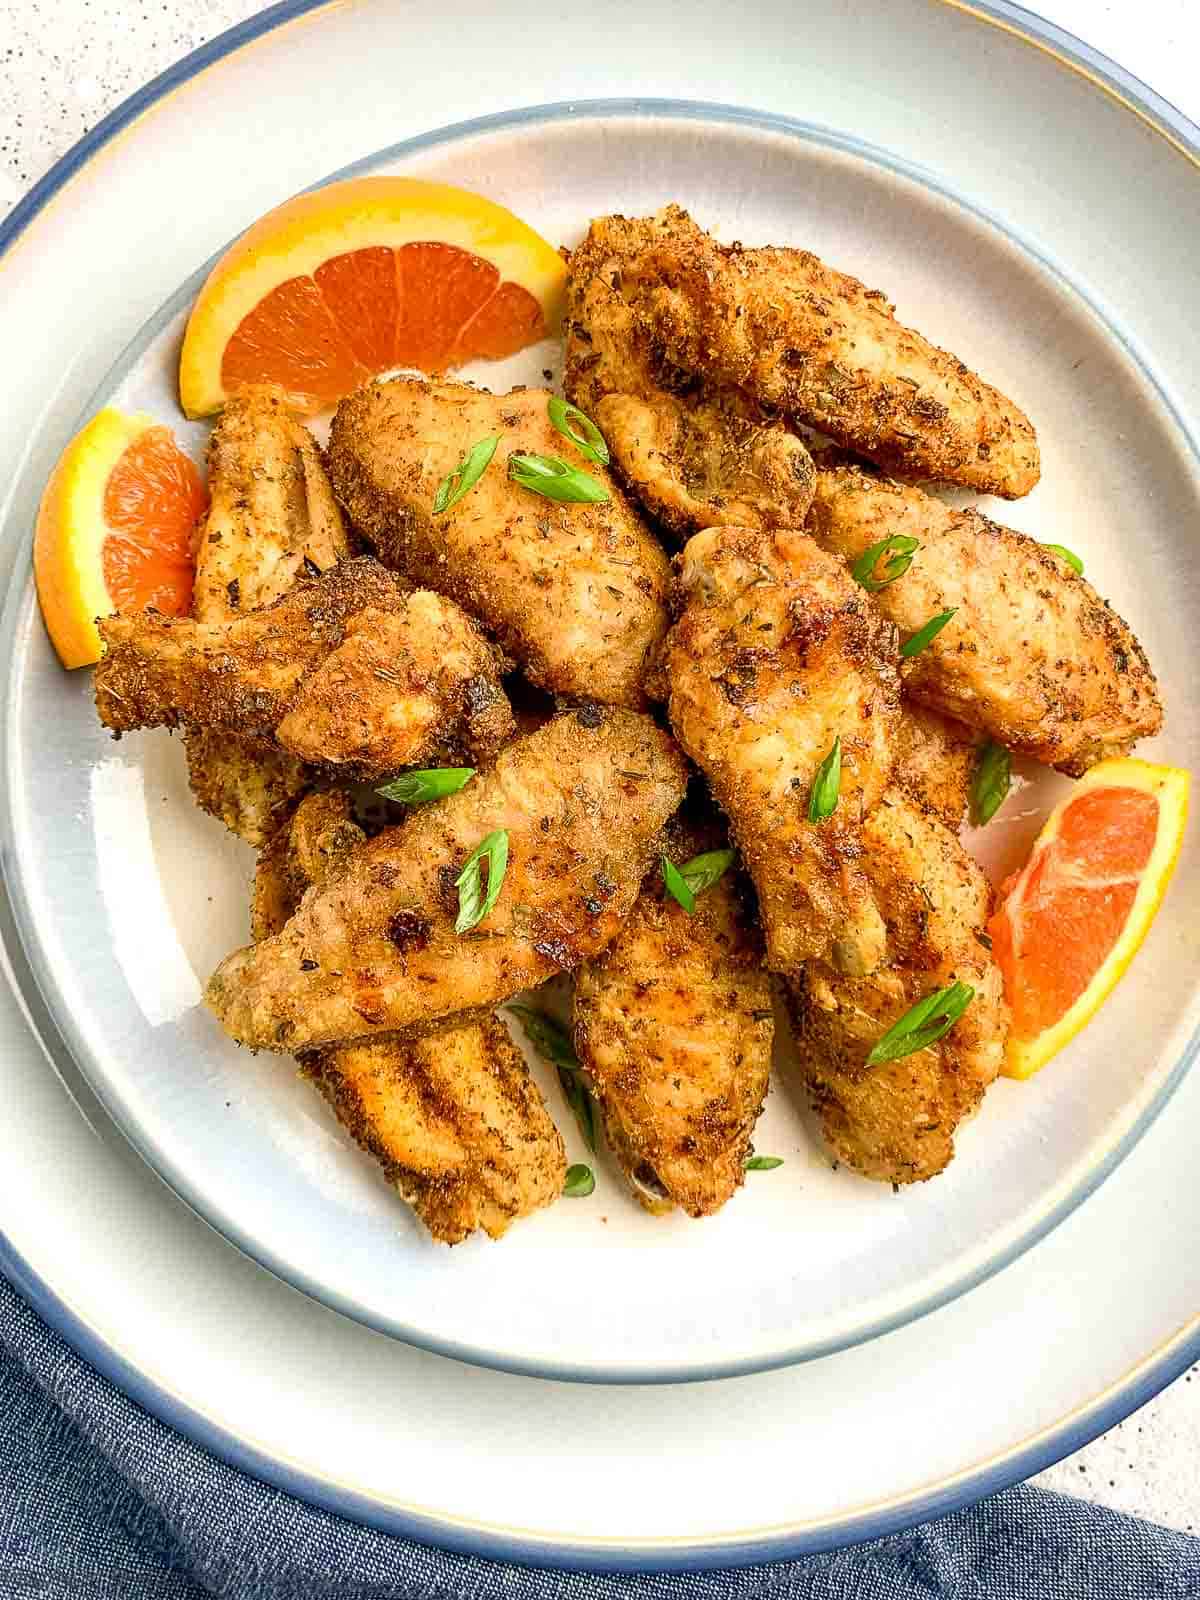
[{"x": 816, "y": 344}]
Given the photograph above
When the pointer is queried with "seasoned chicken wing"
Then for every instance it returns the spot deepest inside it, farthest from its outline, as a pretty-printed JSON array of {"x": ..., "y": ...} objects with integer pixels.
[
  {"x": 575, "y": 593},
  {"x": 935, "y": 762},
  {"x": 271, "y": 518},
  {"x": 776, "y": 654},
  {"x": 312, "y": 846},
  {"x": 674, "y": 1025},
  {"x": 582, "y": 801},
  {"x": 349, "y": 671},
  {"x": 1033, "y": 656},
  {"x": 454, "y": 1120},
  {"x": 696, "y": 455},
  {"x": 896, "y": 1121},
  {"x": 810, "y": 342}
]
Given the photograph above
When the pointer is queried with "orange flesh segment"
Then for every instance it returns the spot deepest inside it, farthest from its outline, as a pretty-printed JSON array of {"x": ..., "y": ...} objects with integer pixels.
[
  {"x": 426, "y": 305},
  {"x": 1066, "y": 909},
  {"x": 361, "y": 294},
  {"x": 152, "y": 502},
  {"x": 291, "y": 339}
]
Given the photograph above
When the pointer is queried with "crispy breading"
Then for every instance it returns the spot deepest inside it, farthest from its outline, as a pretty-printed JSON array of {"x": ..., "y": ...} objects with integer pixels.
[
  {"x": 674, "y": 1025},
  {"x": 311, "y": 847},
  {"x": 583, "y": 801},
  {"x": 1033, "y": 656},
  {"x": 896, "y": 1121},
  {"x": 248, "y": 786},
  {"x": 575, "y": 593},
  {"x": 696, "y": 455},
  {"x": 935, "y": 762},
  {"x": 454, "y": 1119},
  {"x": 349, "y": 671},
  {"x": 777, "y": 653},
  {"x": 813, "y": 343},
  {"x": 271, "y": 517}
]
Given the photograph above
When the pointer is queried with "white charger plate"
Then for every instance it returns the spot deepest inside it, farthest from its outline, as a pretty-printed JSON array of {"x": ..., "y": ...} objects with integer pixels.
[{"x": 1008, "y": 311}]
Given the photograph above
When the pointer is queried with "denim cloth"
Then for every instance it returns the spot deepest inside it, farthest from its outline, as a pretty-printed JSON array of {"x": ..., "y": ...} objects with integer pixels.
[{"x": 99, "y": 1501}]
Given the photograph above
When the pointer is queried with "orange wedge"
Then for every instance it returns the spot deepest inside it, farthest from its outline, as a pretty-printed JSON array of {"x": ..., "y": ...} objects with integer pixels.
[
  {"x": 362, "y": 276},
  {"x": 1072, "y": 919},
  {"x": 115, "y": 530}
]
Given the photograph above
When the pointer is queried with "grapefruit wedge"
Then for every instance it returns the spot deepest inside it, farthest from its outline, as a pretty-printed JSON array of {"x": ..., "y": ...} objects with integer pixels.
[
  {"x": 115, "y": 530},
  {"x": 362, "y": 276},
  {"x": 1072, "y": 919}
]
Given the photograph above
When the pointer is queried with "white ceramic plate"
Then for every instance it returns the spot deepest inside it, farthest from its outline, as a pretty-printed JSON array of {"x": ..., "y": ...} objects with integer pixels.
[{"x": 117, "y": 926}]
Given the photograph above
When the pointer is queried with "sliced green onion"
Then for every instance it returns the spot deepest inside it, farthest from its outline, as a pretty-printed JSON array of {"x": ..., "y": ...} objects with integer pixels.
[
  {"x": 430, "y": 783},
  {"x": 702, "y": 871},
  {"x": 466, "y": 475},
  {"x": 923, "y": 1024},
  {"x": 555, "y": 479},
  {"x": 899, "y": 549},
  {"x": 581, "y": 1181},
  {"x": 552, "y": 1041},
  {"x": 763, "y": 1163},
  {"x": 678, "y": 886},
  {"x": 916, "y": 642},
  {"x": 1068, "y": 556},
  {"x": 826, "y": 786},
  {"x": 577, "y": 426},
  {"x": 474, "y": 902},
  {"x": 990, "y": 785}
]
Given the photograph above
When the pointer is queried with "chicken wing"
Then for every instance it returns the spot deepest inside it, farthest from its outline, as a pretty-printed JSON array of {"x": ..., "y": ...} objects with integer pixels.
[
  {"x": 349, "y": 671},
  {"x": 695, "y": 455},
  {"x": 454, "y": 1119},
  {"x": 896, "y": 1121},
  {"x": 575, "y": 593},
  {"x": 776, "y": 654},
  {"x": 673, "y": 1023},
  {"x": 808, "y": 341},
  {"x": 1033, "y": 656},
  {"x": 271, "y": 518},
  {"x": 582, "y": 802},
  {"x": 935, "y": 762}
]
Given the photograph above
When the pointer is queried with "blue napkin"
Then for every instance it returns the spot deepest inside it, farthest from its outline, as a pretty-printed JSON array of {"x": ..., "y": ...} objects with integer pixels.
[{"x": 98, "y": 1501}]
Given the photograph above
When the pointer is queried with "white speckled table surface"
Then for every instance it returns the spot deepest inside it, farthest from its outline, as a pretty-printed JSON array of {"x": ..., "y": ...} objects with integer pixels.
[{"x": 65, "y": 63}]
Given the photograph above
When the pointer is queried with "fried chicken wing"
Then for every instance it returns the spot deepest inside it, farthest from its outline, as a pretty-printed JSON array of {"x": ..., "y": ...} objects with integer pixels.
[
  {"x": 935, "y": 762},
  {"x": 348, "y": 670},
  {"x": 896, "y": 1121},
  {"x": 271, "y": 518},
  {"x": 575, "y": 593},
  {"x": 696, "y": 455},
  {"x": 808, "y": 341},
  {"x": 1033, "y": 656},
  {"x": 777, "y": 653},
  {"x": 582, "y": 800},
  {"x": 674, "y": 1025},
  {"x": 454, "y": 1120}
]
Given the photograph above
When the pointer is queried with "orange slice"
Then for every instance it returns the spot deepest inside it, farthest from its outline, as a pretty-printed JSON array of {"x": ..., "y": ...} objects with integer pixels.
[
  {"x": 1074, "y": 916},
  {"x": 362, "y": 276},
  {"x": 115, "y": 530}
]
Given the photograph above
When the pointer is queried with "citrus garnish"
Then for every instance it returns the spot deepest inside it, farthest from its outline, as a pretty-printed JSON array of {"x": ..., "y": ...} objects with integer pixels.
[
  {"x": 1074, "y": 916},
  {"x": 363, "y": 276},
  {"x": 115, "y": 530}
]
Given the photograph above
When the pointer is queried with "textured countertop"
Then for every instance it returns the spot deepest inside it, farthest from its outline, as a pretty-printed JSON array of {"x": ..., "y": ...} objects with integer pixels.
[{"x": 65, "y": 63}]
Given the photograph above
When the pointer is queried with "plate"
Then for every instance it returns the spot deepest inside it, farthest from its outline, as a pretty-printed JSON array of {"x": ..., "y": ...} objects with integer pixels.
[{"x": 1044, "y": 282}]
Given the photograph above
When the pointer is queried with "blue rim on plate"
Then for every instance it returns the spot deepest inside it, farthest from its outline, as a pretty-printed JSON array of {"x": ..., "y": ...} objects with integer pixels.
[{"x": 1138, "y": 1387}]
